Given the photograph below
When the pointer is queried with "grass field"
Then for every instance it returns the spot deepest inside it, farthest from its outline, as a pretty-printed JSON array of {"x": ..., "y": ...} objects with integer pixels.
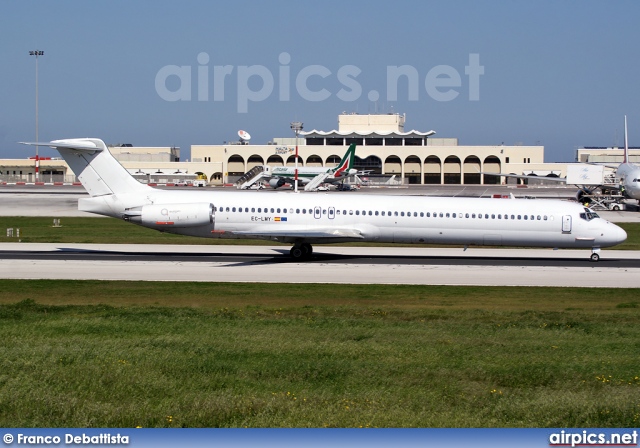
[
  {"x": 114, "y": 231},
  {"x": 125, "y": 354}
]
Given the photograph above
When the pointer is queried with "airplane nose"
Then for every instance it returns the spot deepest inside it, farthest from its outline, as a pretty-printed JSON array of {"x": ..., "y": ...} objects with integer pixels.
[
  {"x": 621, "y": 236},
  {"x": 615, "y": 234}
]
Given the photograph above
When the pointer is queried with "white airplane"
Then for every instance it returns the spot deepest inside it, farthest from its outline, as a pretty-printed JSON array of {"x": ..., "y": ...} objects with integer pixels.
[
  {"x": 304, "y": 220},
  {"x": 279, "y": 175},
  {"x": 627, "y": 176}
]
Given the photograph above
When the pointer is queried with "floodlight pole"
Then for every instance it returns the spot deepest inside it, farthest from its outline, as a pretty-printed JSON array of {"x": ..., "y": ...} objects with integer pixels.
[
  {"x": 37, "y": 53},
  {"x": 296, "y": 126}
]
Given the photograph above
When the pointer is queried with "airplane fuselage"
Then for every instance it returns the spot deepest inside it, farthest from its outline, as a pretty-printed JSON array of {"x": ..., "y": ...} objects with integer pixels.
[
  {"x": 400, "y": 219},
  {"x": 628, "y": 177},
  {"x": 306, "y": 174}
]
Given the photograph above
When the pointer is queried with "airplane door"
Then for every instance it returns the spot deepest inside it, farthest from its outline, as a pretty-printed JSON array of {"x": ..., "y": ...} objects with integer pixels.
[
  {"x": 332, "y": 212},
  {"x": 317, "y": 212},
  {"x": 566, "y": 224}
]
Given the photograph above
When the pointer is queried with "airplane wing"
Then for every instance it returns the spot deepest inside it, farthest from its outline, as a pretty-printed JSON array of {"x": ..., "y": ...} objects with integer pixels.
[
  {"x": 315, "y": 234},
  {"x": 524, "y": 176}
]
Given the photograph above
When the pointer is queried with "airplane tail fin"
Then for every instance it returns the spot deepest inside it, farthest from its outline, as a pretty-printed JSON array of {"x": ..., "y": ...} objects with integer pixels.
[
  {"x": 94, "y": 166},
  {"x": 625, "y": 158},
  {"x": 347, "y": 160}
]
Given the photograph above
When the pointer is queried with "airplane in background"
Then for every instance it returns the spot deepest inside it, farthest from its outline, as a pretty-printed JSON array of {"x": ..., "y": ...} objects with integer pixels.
[
  {"x": 304, "y": 220},
  {"x": 628, "y": 174},
  {"x": 627, "y": 177},
  {"x": 311, "y": 177}
]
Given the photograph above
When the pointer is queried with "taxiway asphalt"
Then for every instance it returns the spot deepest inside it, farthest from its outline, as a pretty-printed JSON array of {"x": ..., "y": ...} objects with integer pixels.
[{"x": 330, "y": 264}]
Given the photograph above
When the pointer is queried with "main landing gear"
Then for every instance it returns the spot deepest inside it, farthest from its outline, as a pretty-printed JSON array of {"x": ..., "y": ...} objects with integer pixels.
[{"x": 301, "y": 251}]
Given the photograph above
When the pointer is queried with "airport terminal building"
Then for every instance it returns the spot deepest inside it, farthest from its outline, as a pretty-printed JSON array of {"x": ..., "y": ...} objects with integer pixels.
[{"x": 385, "y": 151}]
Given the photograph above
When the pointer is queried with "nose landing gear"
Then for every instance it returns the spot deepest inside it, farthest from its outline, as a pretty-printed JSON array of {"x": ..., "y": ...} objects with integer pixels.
[{"x": 595, "y": 255}]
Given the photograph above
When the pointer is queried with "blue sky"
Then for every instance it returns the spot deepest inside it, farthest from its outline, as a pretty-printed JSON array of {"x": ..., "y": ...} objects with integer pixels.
[{"x": 557, "y": 73}]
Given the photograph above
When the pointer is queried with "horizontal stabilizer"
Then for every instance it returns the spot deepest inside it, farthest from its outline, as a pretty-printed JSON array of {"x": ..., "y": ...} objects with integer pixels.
[{"x": 77, "y": 144}]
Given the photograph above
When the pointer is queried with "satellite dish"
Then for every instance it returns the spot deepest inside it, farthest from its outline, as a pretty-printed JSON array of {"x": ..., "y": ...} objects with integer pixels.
[{"x": 244, "y": 135}]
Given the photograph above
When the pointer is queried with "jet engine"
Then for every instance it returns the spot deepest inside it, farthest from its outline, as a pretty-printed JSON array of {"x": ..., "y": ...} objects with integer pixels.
[
  {"x": 580, "y": 196},
  {"x": 276, "y": 183},
  {"x": 172, "y": 215}
]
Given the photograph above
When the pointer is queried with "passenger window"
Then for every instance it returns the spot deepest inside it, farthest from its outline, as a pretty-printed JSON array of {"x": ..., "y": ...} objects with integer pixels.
[
  {"x": 395, "y": 213},
  {"x": 304, "y": 211},
  {"x": 538, "y": 217},
  {"x": 532, "y": 217},
  {"x": 473, "y": 215},
  {"x": 358, "y": 212},
  {"x": 227, "y": 208},
  {"x": 519, "y": 216},
  {"x": 401, "y": 213},
  {"x": 422, "y": 214},
  {"x": 324, "y": 212},
  {"x": 486, "y": 216},
  {"x": 376, "y": 212},
  {"x": 298, "y": 211},
  {"x": 272, "y": 211},
  {"x": 382, "y": 213},
  {"x": 466, "y": 215},
  {"x": 371, "y": 213},
  {"x": 545, "y": 217},
  {"x": 513, "y": 217},
  {"x": 428, "y": 214},
  {"x": 351, "y": 212},
  {"x": 526, "y": 217},
  {"x": 447, "y": 215},
  {"x": 493, "y": 216}
]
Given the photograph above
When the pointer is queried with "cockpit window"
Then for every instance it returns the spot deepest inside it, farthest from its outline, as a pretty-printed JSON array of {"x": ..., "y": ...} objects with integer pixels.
[{"x": 588, "y": 215}]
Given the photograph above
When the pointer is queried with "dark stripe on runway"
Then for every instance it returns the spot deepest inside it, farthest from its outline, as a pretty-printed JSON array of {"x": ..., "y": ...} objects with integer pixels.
[{"x": 610, "y": 261}]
